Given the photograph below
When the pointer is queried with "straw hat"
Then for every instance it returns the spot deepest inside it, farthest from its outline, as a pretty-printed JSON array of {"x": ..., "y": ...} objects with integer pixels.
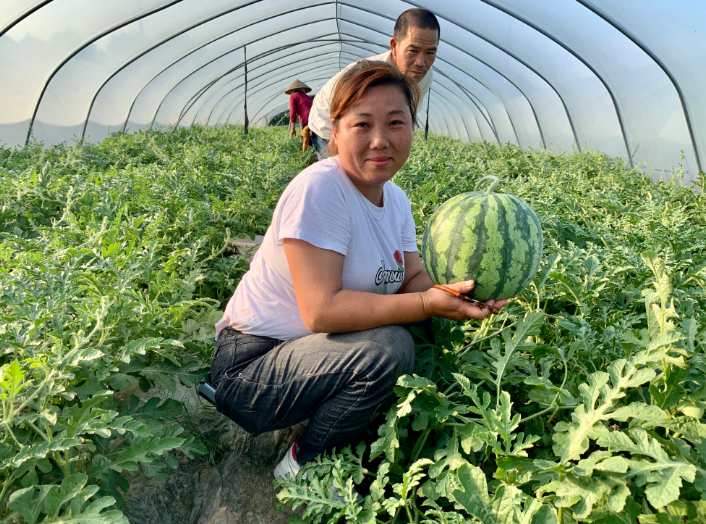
[{"x": 297, "y": 85}]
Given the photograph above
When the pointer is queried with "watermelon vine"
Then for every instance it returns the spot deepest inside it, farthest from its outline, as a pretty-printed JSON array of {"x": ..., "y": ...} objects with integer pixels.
[{"x": 583, "y": 401}]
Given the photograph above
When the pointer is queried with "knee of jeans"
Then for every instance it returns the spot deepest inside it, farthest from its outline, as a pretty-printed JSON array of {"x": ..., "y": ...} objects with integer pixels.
[{"x": 394, "y": 350}]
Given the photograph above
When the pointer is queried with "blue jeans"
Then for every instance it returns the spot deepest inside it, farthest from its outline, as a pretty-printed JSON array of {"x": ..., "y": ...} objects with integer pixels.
[
  {"x": 341, "y": 382},
  {"x": 320, "y": 146}
]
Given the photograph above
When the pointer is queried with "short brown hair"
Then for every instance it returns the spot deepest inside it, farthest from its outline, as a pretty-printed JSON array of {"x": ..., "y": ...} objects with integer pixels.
[
  {"x": 361, "y": 76},
  {"x": 417, "y": 17}
]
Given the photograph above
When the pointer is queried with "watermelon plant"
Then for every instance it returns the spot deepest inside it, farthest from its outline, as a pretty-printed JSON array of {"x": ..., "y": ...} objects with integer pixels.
[
  {"x": 114, "y": 264},
  {"x": 582, "y": 401}
]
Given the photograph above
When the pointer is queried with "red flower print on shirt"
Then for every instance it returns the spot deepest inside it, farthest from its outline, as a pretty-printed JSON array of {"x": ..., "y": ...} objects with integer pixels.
[{"x": 398, "y": 258}]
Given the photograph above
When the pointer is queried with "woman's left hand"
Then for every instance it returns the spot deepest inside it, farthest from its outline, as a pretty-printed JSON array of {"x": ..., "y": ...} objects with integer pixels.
[{"x": 439, "y": 303}]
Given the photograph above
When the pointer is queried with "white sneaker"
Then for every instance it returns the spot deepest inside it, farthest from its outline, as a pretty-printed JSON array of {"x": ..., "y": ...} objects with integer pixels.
[{"x": 288, "y": 464}]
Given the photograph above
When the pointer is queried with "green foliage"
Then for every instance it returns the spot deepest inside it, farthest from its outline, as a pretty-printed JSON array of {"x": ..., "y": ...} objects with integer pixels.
[
  {"x": 115, "y": 260},
  {"x": 583, "y": 400},
  {"x": 71, "y": 496}
]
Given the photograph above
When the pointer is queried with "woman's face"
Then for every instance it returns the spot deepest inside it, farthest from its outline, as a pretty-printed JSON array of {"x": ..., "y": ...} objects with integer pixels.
[{"x": 374, "y": 137}]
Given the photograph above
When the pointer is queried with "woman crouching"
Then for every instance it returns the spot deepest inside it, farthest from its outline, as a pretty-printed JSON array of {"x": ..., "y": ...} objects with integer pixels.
[{"x": 313, "y": 329}]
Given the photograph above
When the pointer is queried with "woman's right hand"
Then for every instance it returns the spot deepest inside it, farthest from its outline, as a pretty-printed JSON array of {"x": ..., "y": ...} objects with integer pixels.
[{"x": 438, "y": 303}]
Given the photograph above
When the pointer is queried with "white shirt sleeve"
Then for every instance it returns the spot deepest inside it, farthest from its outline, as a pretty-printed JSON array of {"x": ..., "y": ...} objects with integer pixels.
[
  {"x": 320, "y": 112},
  {"x": 315, "y": 211},
  {"x": 409, "y": 231}
]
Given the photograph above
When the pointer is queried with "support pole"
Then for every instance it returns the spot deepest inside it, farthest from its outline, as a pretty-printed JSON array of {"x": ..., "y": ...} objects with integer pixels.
[
  {"x": 426, "y": 124},
  {"x": 245, "y": 97}
]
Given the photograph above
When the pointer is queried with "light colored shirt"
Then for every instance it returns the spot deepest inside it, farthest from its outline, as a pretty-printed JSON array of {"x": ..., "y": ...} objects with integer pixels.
[
  {"x": 322, "y": 207},
  {"x": 320, "y": 114}
]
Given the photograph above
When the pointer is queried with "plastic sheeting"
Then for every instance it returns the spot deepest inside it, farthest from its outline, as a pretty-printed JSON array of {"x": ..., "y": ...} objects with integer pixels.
[{"x": 624, "y": 77}]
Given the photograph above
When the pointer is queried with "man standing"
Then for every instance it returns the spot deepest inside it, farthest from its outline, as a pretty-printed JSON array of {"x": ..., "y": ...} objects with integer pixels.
[{"x": 412, "y": 51}]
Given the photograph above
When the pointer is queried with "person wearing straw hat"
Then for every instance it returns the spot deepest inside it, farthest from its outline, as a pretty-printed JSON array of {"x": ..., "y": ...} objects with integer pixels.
[{"x": 299, "y": 106}]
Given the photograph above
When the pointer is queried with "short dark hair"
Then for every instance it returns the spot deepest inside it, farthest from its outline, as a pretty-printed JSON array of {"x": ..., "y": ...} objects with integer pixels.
[
  {"x": 365, "y": 74},
  {"x": 417, "y": 17}
]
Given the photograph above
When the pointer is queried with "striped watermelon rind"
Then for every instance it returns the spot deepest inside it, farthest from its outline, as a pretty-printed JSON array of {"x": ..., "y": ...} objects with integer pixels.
[{"x": 492, "y": 238}]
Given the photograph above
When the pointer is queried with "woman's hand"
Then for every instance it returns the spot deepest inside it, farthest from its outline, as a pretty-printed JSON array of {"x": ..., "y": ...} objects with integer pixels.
[{"x": 438, "y": 303}]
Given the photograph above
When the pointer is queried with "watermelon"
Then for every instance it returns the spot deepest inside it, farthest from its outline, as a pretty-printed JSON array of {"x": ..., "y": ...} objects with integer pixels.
[{"x": 492, "y": 238}]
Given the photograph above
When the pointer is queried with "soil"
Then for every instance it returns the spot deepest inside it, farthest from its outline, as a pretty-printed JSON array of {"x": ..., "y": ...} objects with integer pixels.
[{"x": 234, "y": 488}]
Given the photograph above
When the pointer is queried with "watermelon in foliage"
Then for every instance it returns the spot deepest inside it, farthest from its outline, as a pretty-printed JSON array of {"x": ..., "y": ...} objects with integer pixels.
[{"x": 492, "y": 238}]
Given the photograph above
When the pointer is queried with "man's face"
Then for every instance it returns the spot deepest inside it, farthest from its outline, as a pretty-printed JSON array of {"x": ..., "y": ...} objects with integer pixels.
[{"x": 415, "y": 53}]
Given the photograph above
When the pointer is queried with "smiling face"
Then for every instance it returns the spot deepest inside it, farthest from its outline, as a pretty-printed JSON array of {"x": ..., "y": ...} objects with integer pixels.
[
  {"x": 374, "y": 139},
  {"x": 415, "y": 53}
]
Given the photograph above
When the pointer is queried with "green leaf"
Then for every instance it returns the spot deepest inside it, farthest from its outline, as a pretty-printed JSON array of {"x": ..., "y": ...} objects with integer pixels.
[
  {"x": 667, "y": 392},
  {"x": 65, "y": 504},
  {"x": 415, "y": 382},
  {"x": 143, "y": 451},
  {"x": 546, "y": 392},
  {"x": 470, "y": 438},
  {"x": 551, "y": 264},
  {"x": 189, "y": 373},
  {"x": 404, "y": 407},
  {"x": 127, "y": 423},
  {"x": 572, "y": 439},
  {"x": 70, "y": 487},
  {"x": 88, "y": 389},
  {"x": 88, "y": 417},
  {"x": 691, "y": 328},
  {"x": 377, "y": 488},
  {"x": 504, "y": 362},
  {"x": 388, "y": 443},
  {"x": 139, "y": 346},
  {"x": 153, "y": 410},
  {"x": 689, "y": 427},
  {"x": 580, "y": 494},
  {"x": 410, "y": 480},
  {"x": 38, "y": 451},
  {"x": 11, "y": 380},
  {"x": 447, "y": 457},
  {"x": 476, "y": 501},
  {"x": 92, "y": 514},
  {"x": 192, "y": 447},
  {"x": 656, "y": 264},
  {"x": 543, "y": 515},
  {"x": 662, "y": 476},
  {"x": 29, "y": 502},
  {"x": 639, "y": 411},
  {"x": 629, "y": 514}
]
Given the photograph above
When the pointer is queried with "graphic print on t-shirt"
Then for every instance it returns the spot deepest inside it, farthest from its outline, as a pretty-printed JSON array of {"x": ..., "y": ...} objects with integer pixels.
[
  {"x": 385, "y": 276},
  {"x": 398, "y": 259}
]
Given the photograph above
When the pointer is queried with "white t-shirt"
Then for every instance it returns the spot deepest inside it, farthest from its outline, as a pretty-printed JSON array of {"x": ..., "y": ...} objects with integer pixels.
[
  {"x": 320, "y": 112},
  {"x": 323, "y": 207}
]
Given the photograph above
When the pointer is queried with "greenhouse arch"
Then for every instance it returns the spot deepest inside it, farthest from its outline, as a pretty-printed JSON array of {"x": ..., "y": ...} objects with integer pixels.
[{"x": 558, "y": 74}]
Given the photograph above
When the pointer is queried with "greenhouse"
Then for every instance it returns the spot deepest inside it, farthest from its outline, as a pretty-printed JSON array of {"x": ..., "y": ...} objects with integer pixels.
[
  {"x": 151, "y": 172},
  {"x": 558, "y": 74}
]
